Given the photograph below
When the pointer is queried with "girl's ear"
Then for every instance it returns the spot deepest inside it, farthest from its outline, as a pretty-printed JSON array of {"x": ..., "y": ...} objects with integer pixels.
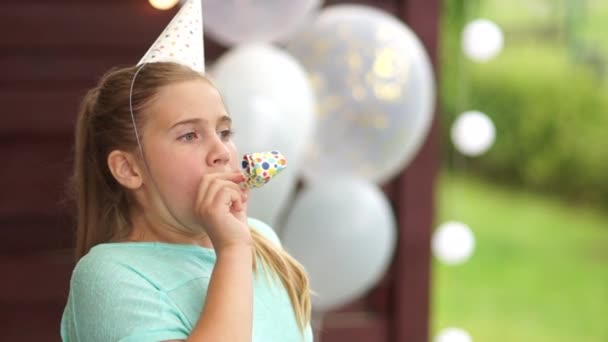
[{"x": 125, "y": 169}]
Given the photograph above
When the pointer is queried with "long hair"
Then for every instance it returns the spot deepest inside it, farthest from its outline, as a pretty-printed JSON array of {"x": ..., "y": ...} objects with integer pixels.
[{"x": 104, "y": 124}]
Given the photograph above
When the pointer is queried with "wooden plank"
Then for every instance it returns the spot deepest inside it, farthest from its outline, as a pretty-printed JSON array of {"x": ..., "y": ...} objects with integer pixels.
[
  {"x": 35, "y": 293},
  {"x": 36, "y": 277},
  {"x": 80, "y": 2},
  {"x": 422, "y": 16},
  {"x": 31, "y": 322},
  {"x": 98, "y": 25},
  {"x": 71, "y": 68},
  {"x": 415, "y": 204},
  {"x": 386, "y": 5},
  {"x": 40, "y": 114},
  {"x": 377, "y": 300},
  {"x": 354, "y": 327},
  {"x": 37, "y": 233},
  {"x": 68, "y": 69},
  {"x": 33, "y": 177}
]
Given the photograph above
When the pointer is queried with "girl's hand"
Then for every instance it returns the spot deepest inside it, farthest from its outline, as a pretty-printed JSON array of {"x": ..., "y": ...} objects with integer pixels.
[{"x": 221, "y": 206}]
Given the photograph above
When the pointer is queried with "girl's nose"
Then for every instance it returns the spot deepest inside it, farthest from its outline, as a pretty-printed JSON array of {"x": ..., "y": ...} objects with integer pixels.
[{"x": 219, "y": 154}]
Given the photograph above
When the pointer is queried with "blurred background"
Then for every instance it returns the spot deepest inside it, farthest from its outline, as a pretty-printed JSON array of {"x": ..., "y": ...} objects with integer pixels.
[
  {"x": 536, "y": 199},
  {"x": 446, "y": 157}
]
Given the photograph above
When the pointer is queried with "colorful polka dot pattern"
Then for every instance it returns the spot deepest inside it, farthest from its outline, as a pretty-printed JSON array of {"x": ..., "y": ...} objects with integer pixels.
[
  {"x": 260, "y": 167},
  {"x": 182, "y": 40}
]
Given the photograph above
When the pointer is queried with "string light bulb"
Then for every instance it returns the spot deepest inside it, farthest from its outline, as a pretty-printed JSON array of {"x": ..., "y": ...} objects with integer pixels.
[
  {"x": 482, "y": 40},
  {"x": 473, "y": 133},
  {"x": 163, "y": 5},
  {"x": 453, "y": 335},
  {"x": 453, "y": 243}
]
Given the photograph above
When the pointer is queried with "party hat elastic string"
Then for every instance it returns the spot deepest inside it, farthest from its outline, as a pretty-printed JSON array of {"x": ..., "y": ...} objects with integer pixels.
[{"x": 141, "y": 150}]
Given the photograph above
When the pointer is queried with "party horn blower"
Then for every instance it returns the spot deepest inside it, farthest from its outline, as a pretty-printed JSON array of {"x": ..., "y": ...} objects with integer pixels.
[{"x": 260, "y": 167}]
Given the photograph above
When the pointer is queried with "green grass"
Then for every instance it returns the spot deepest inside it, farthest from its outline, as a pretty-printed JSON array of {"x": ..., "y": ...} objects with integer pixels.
[
  {"x": 588, "y": 17},
  {"x": 595, "y": 24},
  {"x": 539, "y": 272}
]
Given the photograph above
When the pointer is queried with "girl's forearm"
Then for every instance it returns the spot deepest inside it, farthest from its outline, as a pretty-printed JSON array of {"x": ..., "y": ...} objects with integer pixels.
[{"x": 228, "y": 311}]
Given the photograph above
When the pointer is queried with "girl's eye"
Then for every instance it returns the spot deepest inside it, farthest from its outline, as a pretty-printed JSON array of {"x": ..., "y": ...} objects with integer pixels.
[
  {"x": 191, "y": 136},
  {"x": 226, "y": 134}
]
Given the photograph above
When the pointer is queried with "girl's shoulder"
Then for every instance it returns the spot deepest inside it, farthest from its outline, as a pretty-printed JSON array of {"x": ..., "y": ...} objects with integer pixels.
[
  {"x": 162, "y": 265},
  {"x": 265, "y": 230},
  {"x": 159, "y": 265},
  {"x": 112, "y": 279}
]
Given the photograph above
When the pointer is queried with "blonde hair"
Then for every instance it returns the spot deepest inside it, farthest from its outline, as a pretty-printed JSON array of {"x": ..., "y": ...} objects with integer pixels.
[{"x": 104, "y": 124}]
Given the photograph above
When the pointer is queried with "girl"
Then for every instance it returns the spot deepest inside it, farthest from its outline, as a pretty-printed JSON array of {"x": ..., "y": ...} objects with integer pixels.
[{"x": 165, "y": 249}]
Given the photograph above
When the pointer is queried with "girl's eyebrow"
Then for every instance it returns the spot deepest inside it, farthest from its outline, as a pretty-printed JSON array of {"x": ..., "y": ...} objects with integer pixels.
[
  {"x": 221, "y": 120},
  {"x": 224, "y": 119}
]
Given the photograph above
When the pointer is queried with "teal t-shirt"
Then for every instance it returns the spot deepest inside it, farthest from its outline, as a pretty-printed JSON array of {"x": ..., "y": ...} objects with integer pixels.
[{"x": 152, "y": 291}]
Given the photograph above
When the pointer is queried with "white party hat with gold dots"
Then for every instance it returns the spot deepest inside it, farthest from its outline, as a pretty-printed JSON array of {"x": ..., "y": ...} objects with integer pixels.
[{"x": 182, "y": 40}]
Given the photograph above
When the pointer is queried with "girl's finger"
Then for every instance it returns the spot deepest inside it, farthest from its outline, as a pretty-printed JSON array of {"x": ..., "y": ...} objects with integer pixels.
[
  {"x": 229, "y": 198},
  {"x": 216, "y": 186},
  {"x": 205, "y": 193}
]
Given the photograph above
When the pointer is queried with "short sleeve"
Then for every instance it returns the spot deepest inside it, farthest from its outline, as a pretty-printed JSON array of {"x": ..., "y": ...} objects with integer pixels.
[
  {"x": 265, "y": 230},
  {"x": 109, "y": 301}
]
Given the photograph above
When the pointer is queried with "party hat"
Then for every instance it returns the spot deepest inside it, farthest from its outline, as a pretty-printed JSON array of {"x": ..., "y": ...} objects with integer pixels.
[
  {"x": 182, "y": 40},
  {"x": 260, "y": 167}
]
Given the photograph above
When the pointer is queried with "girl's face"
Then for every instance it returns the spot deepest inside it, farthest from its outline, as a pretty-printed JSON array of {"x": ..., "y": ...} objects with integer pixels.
[{"x": 187, "y": 134}]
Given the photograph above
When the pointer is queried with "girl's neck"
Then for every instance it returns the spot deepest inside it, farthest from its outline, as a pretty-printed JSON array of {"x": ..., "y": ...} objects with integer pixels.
[{"x": 144, "y": 229}]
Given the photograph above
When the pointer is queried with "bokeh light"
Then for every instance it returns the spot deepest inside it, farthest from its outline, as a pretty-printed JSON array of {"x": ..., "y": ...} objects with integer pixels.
[
  {"x": 163, "y": 4},
  {"x": 482, "y": 40},
  {"x": 453, "y": 243},
  {"x": 453, "y": 335},
  {"x": 473, "y": 133}
]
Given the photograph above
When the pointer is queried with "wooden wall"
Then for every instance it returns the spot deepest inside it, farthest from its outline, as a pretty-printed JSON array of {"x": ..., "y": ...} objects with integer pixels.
[{"x": 50, "y": 53}]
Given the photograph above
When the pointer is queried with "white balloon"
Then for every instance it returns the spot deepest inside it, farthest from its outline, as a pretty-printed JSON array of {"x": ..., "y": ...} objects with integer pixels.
[
  {"x": 376, "y": 92},
  {"x": 343, "y": 232},
  {"x": 453, "y": 243},
  {"x": 233, "y": 22},
  {"x": 269, "y": 202},
  {"x": 273, "y": 107},
  {"x": 473, "y": 133},
  {"x": 453, "y": 335},
  {"x": 482, "y": 40}
]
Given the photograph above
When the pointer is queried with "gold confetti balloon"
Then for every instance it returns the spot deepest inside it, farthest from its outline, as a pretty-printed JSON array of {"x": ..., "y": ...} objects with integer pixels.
[{"x": 375, "y": 91}]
